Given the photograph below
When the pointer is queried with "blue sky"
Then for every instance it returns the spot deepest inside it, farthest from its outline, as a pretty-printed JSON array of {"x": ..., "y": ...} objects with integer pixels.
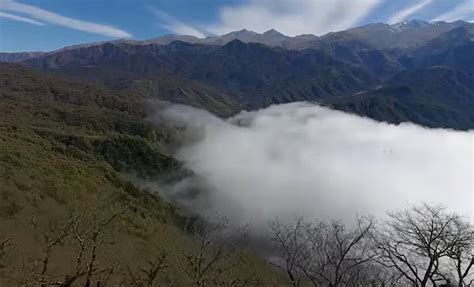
[{"x": 44, "y": 25}]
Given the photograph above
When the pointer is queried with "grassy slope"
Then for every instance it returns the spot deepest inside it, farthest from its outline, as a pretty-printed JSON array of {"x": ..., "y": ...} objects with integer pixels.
[{"x": 65, "y": 146}]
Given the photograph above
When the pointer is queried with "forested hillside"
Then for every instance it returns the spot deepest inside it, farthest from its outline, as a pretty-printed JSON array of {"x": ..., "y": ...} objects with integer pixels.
[{"x": 70, "y": 212}]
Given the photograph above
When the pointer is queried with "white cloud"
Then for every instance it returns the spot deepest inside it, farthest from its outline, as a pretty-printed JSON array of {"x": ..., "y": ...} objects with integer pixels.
[
  {"x": 47, "y": 16},
  {"x": 19, "y": 18},
  {"x": 293, "y": 17},
  {"x": 408, "y": 11},
  {"x": 462, "y": 11},
  {"x": 302, "y": 159},
  {"x": 174, "y": 25}
]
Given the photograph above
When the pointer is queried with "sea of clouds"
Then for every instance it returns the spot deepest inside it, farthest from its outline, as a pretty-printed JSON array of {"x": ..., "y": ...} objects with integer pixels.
[{"x": 304, "y": 159}]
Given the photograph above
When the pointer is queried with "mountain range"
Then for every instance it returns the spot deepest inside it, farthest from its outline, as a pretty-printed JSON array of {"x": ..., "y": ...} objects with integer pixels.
[{"x": 411, "y": 71}]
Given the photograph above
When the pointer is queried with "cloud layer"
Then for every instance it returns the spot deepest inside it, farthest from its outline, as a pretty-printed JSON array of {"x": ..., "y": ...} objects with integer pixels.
[
  {"x": 53, "y": 18},
  {"x": 292, "y": 17},
  {"x": 302, "y": 159}
]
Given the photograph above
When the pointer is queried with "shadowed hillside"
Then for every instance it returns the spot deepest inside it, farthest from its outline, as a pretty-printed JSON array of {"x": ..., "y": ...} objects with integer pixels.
[{"x": 427, "y": 80}]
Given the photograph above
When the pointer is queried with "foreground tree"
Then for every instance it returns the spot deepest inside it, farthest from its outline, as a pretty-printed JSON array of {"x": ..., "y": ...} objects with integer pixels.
[
  {"x": 461, "y": 253},
  {"x": 290, "y": 244},
  {"x": 325, "y": 254},
  {"x": 5, "y": 244},
  {"x": 88, "y": 235},
  {"x": 85, "y": 233},
  {"x": 51, "y": 239},
  {"x": 147, "y": 275},
  {"x": 421, "y": 242},
  {"x": 214, "y": 257}
]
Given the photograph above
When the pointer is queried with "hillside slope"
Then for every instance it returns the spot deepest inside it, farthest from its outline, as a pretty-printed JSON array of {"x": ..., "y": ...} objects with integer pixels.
[
  {"x": 252, "y": 74},
  {"x": 67, "y": 153}
]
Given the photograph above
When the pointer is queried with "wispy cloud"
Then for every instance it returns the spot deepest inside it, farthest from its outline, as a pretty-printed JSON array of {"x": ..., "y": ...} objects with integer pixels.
[
  {"x": 463, "y": 11},
  {"x": 50, "y": 17},
  {"x": 19, "y": 18},
  {"x": 293, "y": 17},
  {"x": 174, "y": 25},
  {"x": 408, "y": 11}
]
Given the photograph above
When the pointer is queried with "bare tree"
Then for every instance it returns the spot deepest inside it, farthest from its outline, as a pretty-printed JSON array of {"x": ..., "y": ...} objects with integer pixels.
[
  {"x": 461, "y": 253},
  {"x": 87, "y": 236},
  {"x": 373, "y": 274},
  {"x": 417, "y": 242},
  {"x": 215, "y": 256},
  {"x": 96, "y": 235},
  {"x": 84, "y": 232},
  {"x": 326, "y": 254},
  {"x": 147, "y": 275},
  {"x": 338, "y": 253},
  {"x": 51, "y": 239},
  {"x": 290, "y": 243},
  {"x": 5, "y": 244}
]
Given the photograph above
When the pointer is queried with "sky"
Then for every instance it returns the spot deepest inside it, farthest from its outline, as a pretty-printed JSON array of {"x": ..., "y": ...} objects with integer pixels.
[{"x": 45, "y": 25}]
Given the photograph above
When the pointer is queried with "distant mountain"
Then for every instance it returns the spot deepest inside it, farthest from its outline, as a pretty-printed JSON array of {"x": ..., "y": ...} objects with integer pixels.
[
  {"x": 274, "y": 36},
  {"x": 242, "y": 35},
  {"x": 434, "y": 97},
  {"x": 16, "y": 57},
  {"x": 258, "y": 74},
  {"x": 408, "y": 34},
  {"x": 424, "y": 79},
  {"x": 380, "y": 36},
  {"x": 380, "y": 48},
  {"x": 168, "y": 39},
  {"x": 270, "y": 38},
  {"x": 454, "y": 48}
]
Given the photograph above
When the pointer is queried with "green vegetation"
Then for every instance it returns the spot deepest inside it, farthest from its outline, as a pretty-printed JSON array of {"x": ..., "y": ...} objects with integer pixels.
[{"x": 69, "y": 215}]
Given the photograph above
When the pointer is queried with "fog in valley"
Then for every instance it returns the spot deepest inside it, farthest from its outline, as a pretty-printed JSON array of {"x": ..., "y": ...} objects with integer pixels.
[{"x": 303, "y": 159}]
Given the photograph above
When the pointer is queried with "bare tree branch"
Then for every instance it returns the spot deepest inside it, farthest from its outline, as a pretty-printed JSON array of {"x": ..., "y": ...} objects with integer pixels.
[{"x": 417, "y": 241}]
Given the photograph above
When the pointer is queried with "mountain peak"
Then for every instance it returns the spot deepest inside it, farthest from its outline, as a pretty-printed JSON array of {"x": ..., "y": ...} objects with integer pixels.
[
  {"x": 242, "y": 32},
  {"x": 273, "y": 32},
  {"x": 419, "y": 22},
  {"x": 412, "y": 24}
]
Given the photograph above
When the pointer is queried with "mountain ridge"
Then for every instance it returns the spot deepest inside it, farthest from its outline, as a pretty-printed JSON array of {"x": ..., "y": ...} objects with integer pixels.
[
  {"x": 271, "y": 37},
  {"x": 239, "y": 75}
]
